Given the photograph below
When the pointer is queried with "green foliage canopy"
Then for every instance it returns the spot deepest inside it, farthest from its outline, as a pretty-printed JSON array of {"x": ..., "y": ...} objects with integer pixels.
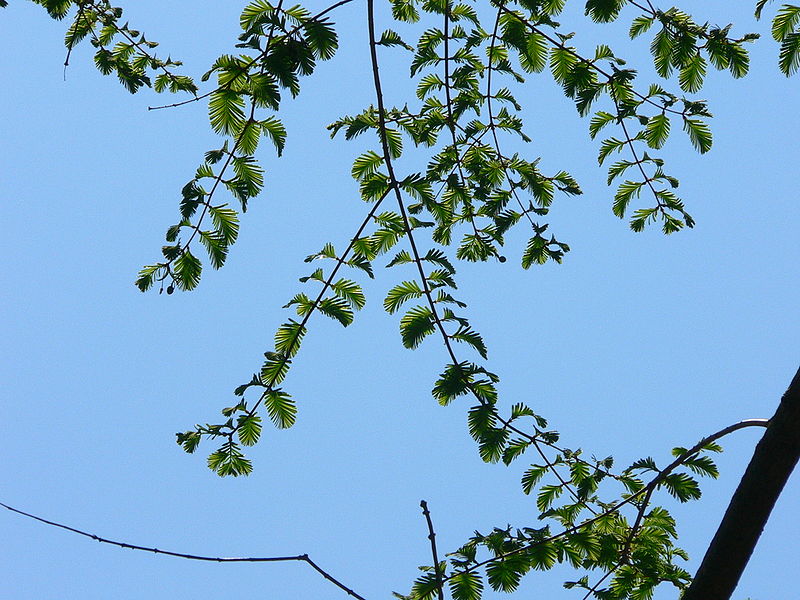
[{"x": 467, "y": 61}]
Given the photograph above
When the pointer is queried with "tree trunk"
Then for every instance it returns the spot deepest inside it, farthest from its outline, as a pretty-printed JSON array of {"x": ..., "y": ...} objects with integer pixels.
[{"x": 773, "y": 461}]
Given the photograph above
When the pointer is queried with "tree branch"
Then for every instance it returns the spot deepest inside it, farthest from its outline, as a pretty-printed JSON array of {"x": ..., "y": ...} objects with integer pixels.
[
  {"x": 219, "y": 559},
  {"x": 774, "y": 459},
  {"x": 614, "y": 508}
]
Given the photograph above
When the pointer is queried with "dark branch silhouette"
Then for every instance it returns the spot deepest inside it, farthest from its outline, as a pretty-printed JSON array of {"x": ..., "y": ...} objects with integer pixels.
[
  {"x": 774, "y": 459},
  {"x": 432, "y": 538},
  {"x": 219, "y": 559}
]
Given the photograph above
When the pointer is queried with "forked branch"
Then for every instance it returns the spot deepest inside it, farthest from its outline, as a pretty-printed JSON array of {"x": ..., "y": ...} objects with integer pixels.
[{"x": 219, "y": 559}]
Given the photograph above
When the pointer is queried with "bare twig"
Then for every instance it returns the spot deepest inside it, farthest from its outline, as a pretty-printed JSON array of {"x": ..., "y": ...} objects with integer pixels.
[
  {"x": 432, "y": 538},
  {"x": 219, "y": 559}
]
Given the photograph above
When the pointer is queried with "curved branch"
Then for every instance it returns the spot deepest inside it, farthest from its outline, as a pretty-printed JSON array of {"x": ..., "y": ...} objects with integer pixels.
[
  {"x": 219, "y": 559},
  {"x": 773, "y": 461}
]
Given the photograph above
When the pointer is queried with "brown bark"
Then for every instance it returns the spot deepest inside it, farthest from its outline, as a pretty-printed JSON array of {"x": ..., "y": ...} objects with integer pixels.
[{"x": 773, "y": 461}]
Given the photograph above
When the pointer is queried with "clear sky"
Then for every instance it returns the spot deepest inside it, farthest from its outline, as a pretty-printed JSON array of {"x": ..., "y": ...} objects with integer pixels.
[{"x": 636, "y": 344}]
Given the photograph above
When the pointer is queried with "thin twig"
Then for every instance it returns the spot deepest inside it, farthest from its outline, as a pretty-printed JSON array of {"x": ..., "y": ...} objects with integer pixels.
[
  {"x": 325, "y": 286},
  {"x": 219, "y": 559},
  {"x": 432, "y": 538},
  {"x": 253, "y": 61},
  {"x": 590, "y": 63},
  {"x": 81, "y": 8},
  {"x": 593, "y": 589}
]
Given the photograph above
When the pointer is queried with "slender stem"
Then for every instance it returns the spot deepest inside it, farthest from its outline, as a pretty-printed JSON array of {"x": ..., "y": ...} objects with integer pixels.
[
  {"x": 325, "y": 286},
  {"x": 432, "y": 538},
  {"x": 489, "y": 72},
  {"x": 253, "y": 61},
  {"x": 599, "y": 583},
  {"x": 393, "y": 182},
  {"x": 219, "y": 559},
  {"x": 590, "y": 63},
  {"x": 231, "y": 155}
]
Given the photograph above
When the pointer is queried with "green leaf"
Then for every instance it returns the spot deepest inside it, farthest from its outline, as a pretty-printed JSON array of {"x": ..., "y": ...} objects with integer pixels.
[
  {"x": 249, "y": 179},
  {"x": 337, "y": 309},
  {"x": 661, "y": 48},
  {"x": 366, "y": 164},
  {"x": 657, "y": 130},
  {"x": 146, "y": 276},
  {"x": 226, "y": 222},
  {"x": 607, "y": 147},
  {"x": 226, "y": 111},
  {"x": 215, "y": 246},
  {"x": 404, "y": 10},
  {"x": 303, "y": 303},
  {"x": 681, "y": 486},
  {"x": 626, "y": 191},
  {"x": 467, "y": 335},
  {"x": 699, "y": 134},
  {"x": 534, "y": 56},
  {"x": 476, "y": 247},
  {"x": 789, "y": 57},
  {"x": 392, "y": 38},
  {"x": 229, "y": 460},
  {"x": 351, "y": 292},
  {"x": 547, "y": 495},
  {"x": 189, "y": 440},
  {"x": 702, "y": 465},
  {"x": 692, "y": 73},
  {"x": 288, "y": 338},
  {"x": 248, "y": 428},
  {"x": 426, "y": 587},
  {"x": 481, "y": 419},
  {"x": 400, "y": 294},
  {"x": 531, "y": 477},
  {"x": 599, "y": 120},
  {"x": 514, "y": 450},
  {"x": 504, "y": 575},
  {"x": 604, "y": 11},
  {"x": 394, "y": 140},
  {"x": 639, "y": 25},
  {"x": 644, "y": 464},
  {"x": 247, "y": 138},
  {"x": 785, "y": 22},
  {"x": 466, "y": 585},
  {"x": 562, "y": 61},
  {"x": 491, "y": 444},
  {"x": 273, "y": 128},
  {"x": 454, "y": 382},
  {"x": 187, "y": 269},
  {"x": 280, "y": 407},
  {"x": 416, "y": 325},
  {"x": 274, "y": 369}
]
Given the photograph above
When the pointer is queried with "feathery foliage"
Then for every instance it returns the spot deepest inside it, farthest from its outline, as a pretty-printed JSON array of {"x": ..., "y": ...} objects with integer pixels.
[{"x": 467, "y": 63}]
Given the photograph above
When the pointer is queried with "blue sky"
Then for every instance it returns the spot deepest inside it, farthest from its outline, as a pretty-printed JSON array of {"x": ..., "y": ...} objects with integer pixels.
[{"x": 636, "y": 344}]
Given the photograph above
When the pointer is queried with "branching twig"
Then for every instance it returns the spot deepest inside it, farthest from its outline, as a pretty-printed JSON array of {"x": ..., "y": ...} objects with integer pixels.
[
  {"x": 325, "y": 286},
  {"x": 590, "y": 63},
  {"x": 257, "y": 58},
  {"x": 219, "y": 559},
  {"x": 652, "y": 485}
]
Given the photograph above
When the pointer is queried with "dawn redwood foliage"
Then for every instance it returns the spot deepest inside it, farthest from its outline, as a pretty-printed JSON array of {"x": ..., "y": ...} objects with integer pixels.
[{"x": 467, "y": 61}]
